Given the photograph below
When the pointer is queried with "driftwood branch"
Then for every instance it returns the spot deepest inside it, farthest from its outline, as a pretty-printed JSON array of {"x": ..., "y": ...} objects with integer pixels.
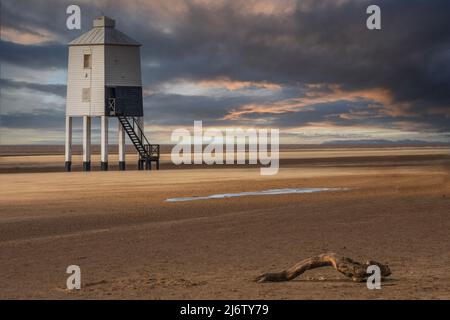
[{"x": 348, "y": 267}]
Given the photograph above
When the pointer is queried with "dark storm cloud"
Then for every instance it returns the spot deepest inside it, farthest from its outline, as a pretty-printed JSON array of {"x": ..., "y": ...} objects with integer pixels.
[
  {"x": 317, "y": 42},
  {"x": 56, "y": 89},
  {"x": 41, "y": 56},
  {"x": 48, "y": 16},
  {"x": 39, "y": 119},
  {"x": 325, "y": 44},
  {"x": 343, "y": 113},
  {"x": 175, "y": 109},
  {"x": 41, "y": 18},
  {"x": 329, "y": 43}
]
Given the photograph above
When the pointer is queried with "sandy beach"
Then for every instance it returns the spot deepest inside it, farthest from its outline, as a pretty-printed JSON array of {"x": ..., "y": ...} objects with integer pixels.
[{"x": 131, "y": 243}]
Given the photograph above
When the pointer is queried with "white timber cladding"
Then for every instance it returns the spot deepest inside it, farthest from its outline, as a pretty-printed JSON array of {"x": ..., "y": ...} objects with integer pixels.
[
  {"x": 101, "y": 57},
  {"x": 90, "y": 80},
  {"x": 122, "y": 66}
]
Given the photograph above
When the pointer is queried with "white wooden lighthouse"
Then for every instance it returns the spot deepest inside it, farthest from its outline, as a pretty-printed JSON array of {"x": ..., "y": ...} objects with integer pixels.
[{"x": 103, "y": 81}]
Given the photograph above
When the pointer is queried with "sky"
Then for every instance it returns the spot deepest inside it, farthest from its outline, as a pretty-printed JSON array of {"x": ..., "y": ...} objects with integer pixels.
[{"x": 309, "y": 68}]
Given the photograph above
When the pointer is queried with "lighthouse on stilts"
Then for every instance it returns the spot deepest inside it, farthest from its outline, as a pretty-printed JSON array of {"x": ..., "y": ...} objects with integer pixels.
[{"x": 104, "y": 81}]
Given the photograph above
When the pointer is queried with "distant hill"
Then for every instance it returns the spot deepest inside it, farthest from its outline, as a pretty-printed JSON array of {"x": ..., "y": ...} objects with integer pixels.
[{"x": 383, "y": 142}]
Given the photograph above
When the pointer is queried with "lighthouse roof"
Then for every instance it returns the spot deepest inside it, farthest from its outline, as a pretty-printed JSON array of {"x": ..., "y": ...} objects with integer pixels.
[{"x": 104, "y": 33}]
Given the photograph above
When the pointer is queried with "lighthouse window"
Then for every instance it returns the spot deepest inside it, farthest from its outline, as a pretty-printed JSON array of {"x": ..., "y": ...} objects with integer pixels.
[
  {"x": 86, "y": 95},
  {"x": 87, "y": 61}
]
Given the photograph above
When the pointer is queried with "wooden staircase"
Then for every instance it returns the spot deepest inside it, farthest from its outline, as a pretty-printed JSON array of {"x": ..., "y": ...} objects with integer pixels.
[{"x": 147, "y": 152}]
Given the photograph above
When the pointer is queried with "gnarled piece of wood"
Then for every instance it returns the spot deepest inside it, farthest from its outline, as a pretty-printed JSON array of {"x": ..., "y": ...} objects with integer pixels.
[{"x": 348, "y": 267}]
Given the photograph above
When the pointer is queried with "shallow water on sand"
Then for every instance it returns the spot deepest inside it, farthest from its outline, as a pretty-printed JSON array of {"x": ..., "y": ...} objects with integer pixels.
[{"x": 255, "y": 193}]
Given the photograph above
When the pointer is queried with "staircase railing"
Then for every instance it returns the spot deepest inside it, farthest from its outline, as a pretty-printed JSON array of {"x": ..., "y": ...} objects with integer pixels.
[
  {"x": 112, "y": 105},
  {"x": 152, "y": 150}
]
